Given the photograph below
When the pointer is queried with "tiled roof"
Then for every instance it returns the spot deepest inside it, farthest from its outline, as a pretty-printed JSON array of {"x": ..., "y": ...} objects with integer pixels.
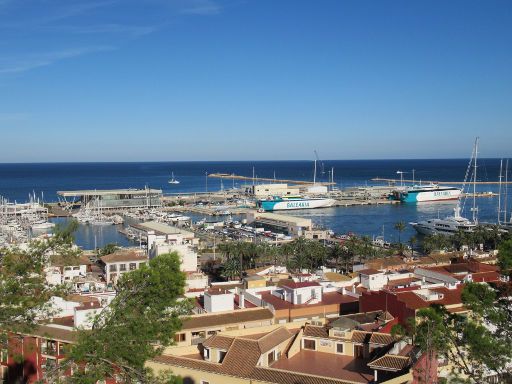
[
  {"x": 118, "y": 257},
  {"x": 316, "y": 331},
  {"x": 361, "y": 337},
  {"x": 216, "y": 341},
  {"x": 54, "y": 333},
  {"x": 269, "y": 375},
  {"x": 234, "y": 317},
  {"x": 381, "y": 338},
  {"x": 273, "y": 339},
  {"x": 369, "y": 271},
  {"x": 241, "y": 358},
  {"x": 390, "y": 363},
  {"x": 293, "y": 285}
]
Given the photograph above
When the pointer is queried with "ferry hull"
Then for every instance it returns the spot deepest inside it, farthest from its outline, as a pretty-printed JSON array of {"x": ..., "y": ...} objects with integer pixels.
[
  {"x": 296, "y": 204},
  {"x": 416, "y": 197}
]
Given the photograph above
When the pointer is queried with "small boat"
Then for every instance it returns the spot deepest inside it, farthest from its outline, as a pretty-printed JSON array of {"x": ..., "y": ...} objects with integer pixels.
[
  {"x": 42, "y": 225},
  {"x": 172, "y": 180}
]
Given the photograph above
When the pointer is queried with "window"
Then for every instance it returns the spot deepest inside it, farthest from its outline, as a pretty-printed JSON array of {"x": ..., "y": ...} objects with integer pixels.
[
  {"x": 310, "y": 344},
  {"x": 141, "y": 264},
  {"x": 206, "y": 354},
  {"x": 63, "y": 348},
  {"x": 179, "y": 337},
  {"x": 67, "y": 268},
  {"x": 4, "y": 353},
  {"x": 76, "y": 268},
  {"x": 133, "y": 266},
  {"x": 205, "y": 382},
  {"x": 49, "y": 347},
  {"x": 112, "y": 268},
  {"x": 122, "y": 267},
  {"x": 339, "y": 348},
  {"x": 271, "y": 357},
  {"x": 222, "y": 355}
]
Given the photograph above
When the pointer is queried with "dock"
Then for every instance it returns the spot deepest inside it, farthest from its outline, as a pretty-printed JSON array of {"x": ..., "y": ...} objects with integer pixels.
[
  {"x": 268, "y": 179},
  {"x": 398, "y": 181}
]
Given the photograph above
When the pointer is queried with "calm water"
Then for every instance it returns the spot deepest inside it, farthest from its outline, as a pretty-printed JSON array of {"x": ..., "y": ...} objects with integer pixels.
[{"x": 18, "y": 180}]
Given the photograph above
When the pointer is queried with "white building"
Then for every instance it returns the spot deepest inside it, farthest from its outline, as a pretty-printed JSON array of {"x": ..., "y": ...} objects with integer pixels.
[
  {"x": 59, "y": 272},
  {"x": 372, "y": 279},
  {"x": 306, "y": 292},
  {"x": 218, "y": 300},
  {"x": 265, "y": 190},
  {"x": 115, "y": 264}
]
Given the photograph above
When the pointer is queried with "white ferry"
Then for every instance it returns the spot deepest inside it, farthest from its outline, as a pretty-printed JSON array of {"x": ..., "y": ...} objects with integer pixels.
[{"x": 278, "y": 203}]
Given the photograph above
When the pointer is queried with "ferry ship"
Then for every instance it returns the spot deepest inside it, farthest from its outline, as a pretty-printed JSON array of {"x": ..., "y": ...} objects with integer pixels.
[
  {"x": 278, "y": 203},
  {"x": 431, "y": 192}
]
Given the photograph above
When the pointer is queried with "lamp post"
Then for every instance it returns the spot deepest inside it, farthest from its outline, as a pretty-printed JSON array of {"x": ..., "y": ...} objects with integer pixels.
[{"x": 401, "y": 177}]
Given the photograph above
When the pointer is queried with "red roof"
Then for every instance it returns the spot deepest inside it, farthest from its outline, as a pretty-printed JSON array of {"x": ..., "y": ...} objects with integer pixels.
[
  {"x": 369, "y": 271},
  {"x": 293, "y": 285}
]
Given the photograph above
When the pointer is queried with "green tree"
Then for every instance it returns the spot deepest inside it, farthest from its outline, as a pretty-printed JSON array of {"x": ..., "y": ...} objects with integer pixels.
[
  {"x": 107, "y": 249},
  {"x": 412, "y": 242},
  {"x": 24, "y": 291},
  {"x": 505, "y": 257},
  {"x": 475, "y": 345},
  {"x": 137, "y": 325},
  {"x": 400, "y": 227}
]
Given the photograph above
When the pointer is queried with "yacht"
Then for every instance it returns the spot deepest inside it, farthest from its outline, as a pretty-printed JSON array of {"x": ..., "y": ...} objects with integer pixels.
[
  {"x": 172, "y": 180},
  {"x": 452, "y": 224},
  {"x": 447, "y": 226}
]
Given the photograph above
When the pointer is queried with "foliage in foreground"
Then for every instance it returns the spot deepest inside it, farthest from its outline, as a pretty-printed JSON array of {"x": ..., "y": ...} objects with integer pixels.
[{"x": 138, "y": 324}]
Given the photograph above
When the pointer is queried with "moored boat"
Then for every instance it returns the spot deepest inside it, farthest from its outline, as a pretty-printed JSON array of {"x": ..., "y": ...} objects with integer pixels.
[{"x": 296, "y": 202}]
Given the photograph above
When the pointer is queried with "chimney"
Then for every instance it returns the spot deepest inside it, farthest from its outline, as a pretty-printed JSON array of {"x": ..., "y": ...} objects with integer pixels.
[{"x": 241, "y": 299}]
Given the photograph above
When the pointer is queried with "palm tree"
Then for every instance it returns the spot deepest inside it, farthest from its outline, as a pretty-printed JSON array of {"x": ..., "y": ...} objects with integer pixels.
[
  {"x": 336, "y": 253},
  {"x": 400, "y": 227},
  {"x": 412, "y": 241}
]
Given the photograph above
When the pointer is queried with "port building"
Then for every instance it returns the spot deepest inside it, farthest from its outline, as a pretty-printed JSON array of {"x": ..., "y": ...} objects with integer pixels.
[{"x": 113, "y": 199}]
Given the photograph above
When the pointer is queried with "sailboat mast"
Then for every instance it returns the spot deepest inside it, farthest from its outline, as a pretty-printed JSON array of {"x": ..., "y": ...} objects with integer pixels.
[
  {"x": 506, "y": 193},
  {"x": 499, "y": 192},
  {"x": 314, "y": 174},
  {"x": 475, "y": 216}
]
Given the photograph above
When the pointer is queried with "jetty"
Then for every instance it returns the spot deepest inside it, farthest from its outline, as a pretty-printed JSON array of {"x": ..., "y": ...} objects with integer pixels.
[
  {"x": 398, "y": 181},
  {"x": 269, "y": 179}
]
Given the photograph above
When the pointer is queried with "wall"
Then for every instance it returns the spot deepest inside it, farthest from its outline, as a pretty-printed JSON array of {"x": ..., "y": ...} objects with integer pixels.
[
  {"x": 385, "y": 301},
  {"x": 191, "y": 376},
  {"x": 219, "y": 303}
]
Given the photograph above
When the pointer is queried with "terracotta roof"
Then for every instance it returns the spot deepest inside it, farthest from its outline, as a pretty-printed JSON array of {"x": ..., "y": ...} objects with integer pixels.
[
  {"x": 234, "y": 317},
  {"x": 270, "y": 375},
  {"x": 390, "y": 363},
  {"x": 369, "y": 271},
  {"x": 241, "y": 358},
  {"x": 381, "y": 338},
  {"x": 294, "y": 285},
  {"x": 273, "y": 339},
  {"x": 216, "y": 341},
  {"x": 118, "y": 257},
  {"x": 316, "y": 331},
  {"x": 361, "y": 337},
  {"x": 54, "y": 333}
]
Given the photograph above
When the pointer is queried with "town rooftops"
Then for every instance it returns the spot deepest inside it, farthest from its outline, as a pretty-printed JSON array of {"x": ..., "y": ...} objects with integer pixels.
[
  {"x": 123, "y": 256},
  {"x": 294, "y": 285},
  {"x": 369, "y": 271},
  {"x": 392, "y": 363},
  {"x": 232, "y": 317},
  {"x": 254, "y": 278}
]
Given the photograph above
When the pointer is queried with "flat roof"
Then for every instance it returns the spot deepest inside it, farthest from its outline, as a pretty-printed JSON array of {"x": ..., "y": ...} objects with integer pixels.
[
  {"x": 105, "y": 192},
  {"x": 288, "y": 219},
  {"x": 163, "y": 228}
]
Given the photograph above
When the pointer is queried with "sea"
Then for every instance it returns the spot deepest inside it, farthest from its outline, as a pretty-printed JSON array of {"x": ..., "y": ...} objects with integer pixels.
[{"x": 18, "y": 181}]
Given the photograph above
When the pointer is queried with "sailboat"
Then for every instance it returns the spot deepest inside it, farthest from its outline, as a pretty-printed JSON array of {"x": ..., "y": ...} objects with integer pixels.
[
  {"x": 172, "y": 180},
  {"x": 452, "y": 224}
]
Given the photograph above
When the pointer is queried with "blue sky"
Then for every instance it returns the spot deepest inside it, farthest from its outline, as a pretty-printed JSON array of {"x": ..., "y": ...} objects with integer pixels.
[{"x": 165, "y": 80}]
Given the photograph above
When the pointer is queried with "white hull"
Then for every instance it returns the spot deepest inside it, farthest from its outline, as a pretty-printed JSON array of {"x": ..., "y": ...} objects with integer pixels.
[
  {"x": 301, "y": 204},
  {"x": 452, "y": 194}
]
